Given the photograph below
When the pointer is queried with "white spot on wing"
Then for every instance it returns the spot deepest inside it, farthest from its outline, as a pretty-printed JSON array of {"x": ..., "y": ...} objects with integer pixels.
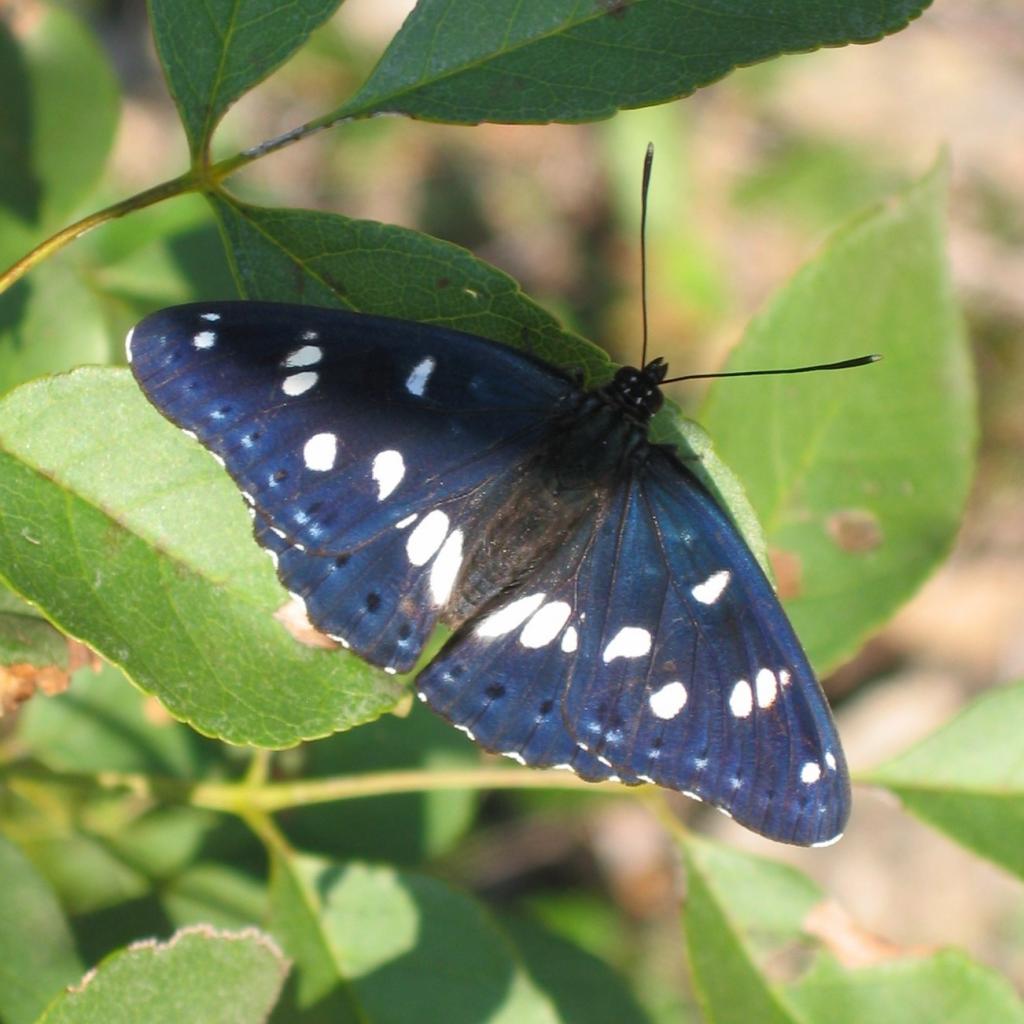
[
  {"x": 784, "y": 677},
  {"x": 407, "y": 521},
  {"x": 767, "y": 688},
  {"x": 310, "y": 335},
  {"x": 128, "y": 345},
  {"x": 212, "y": 317},
  {"x": 629, "y": 642},
  {"x": 445, "y": 569},
  {"x": 545, "y": 624},
  {"x": 424, "y": 541},
  {"x": 308, "y": 355},
  {"x": 570, "y": 640},
  {"x": 388, "y": 470},
  {"x": 416, "y": 382},
  {"x": 741, "y": 700},
  {"x": 830, "y": 759},
  {"x": 320, "y": 451},
  {"x": 667, "y": 702},
  {"x": 299, "y": 383},
  {"x": 810, "y": 772},
  {"x": 204, "y": 339},
  {"x": 510, "y": 617},
  {"x": 515, "y": 755},
  {"x": 827, "y": 842},
  {"x": 711, "y": 589}
]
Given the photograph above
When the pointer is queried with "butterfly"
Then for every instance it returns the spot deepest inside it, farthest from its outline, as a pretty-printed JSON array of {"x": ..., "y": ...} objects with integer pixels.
[{"x": 606, "y": 616}]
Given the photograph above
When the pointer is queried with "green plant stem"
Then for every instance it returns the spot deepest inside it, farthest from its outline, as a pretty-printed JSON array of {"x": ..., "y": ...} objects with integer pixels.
[
  {"x": 264, "y": 828},
  {"x": 200, "y": 178},
  {"x": 266, "y": 797},
  {"x": 259, "y": 767},
  {"x": 187, "y": 182},
  {"x": 280, "y": 795}
]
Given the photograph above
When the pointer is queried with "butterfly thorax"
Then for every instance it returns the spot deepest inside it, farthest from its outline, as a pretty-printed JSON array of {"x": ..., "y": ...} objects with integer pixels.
[{"x": 589, "y": 447}]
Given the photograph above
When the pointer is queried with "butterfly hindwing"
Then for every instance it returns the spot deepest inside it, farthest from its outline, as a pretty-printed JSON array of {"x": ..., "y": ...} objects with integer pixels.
[
  {"x": 362, "y": 444},
  {"x": 501, "y": 678},
  {"x": 668, "y": 659}
]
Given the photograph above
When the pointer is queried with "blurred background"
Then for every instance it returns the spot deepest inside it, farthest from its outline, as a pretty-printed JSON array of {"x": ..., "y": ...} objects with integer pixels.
[{"x": 751, "y": 176}]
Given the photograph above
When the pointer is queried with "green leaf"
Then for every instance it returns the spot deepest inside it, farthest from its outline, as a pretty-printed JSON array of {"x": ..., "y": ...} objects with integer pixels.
[
  {"x": 328, "y": 260},
  {"x": 397, "y": 943},
  {"x": 214, "y": 51},
  {"x": 201, "y": 974},
  {"x": 37, "y": 953},
  {"x": 581, "y": 986},
  {"x": 945, "y": 987},
  {"x": 465, "y": 61},
  {"x": 859, "y": 479},
  {"x": 128, "y": 536},
  {"x": 405, "y": 828},
  {"x": 216, "y": 894},
  {"x": 767, "y": 901},
  {"x": 109, "y": 858},
  {"x": 318, "y": 992},
  {"x": 26, "y": 637},
  {"x": 967, "y": 779},
  {"x": 102, "y": 724},
  {"x": 49, "y": 322},
  {"x": 86, "y": 875},
  {"x": 57, "y": 121},
  {"x": 814, "y": 181},
  {"x": 734, "y": 903}
]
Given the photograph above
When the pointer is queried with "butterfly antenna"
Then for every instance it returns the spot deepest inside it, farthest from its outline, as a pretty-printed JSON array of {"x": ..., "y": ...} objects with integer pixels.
[
  {"x": 644, "y": 188},
  {"x": 843, "y": 364}
]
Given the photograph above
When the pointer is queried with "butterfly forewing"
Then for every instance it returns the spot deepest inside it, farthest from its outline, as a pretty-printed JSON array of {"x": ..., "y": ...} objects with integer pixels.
[
  {"x": 362, "y": 443},
  {"x": 616, "y": 625}
]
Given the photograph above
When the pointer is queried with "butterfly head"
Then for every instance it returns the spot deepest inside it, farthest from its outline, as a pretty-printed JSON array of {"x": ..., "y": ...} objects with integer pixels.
[{"x": 637, "y": 392}]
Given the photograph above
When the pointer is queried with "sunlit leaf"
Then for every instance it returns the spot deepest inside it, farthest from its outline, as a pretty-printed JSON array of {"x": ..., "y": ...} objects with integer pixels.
[
  {"x": 128, "y": 536},
  {"x": 967, "y": 779},
  {"x": 860, "y": 477}
]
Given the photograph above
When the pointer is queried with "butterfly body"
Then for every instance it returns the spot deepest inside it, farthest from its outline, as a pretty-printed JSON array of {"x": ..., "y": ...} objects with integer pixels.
[
  {"x": 589, "y": 448},
  {"x": 606, "y": 615}
]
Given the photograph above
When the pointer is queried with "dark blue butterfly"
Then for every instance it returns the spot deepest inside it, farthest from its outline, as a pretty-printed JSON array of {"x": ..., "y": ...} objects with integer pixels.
[{"x": 607, "y": 618}]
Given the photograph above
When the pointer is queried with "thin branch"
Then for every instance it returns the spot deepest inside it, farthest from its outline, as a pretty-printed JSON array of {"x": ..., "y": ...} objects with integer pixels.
[
  {"x": 200, "y": 178},
  {"x": 266, "y": 797},
  {"x": 187, "y": 182}
]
